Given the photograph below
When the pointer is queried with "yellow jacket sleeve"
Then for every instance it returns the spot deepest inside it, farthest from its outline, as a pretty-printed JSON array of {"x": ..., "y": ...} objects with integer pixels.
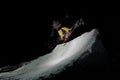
[{"x": 60, "y": 32}]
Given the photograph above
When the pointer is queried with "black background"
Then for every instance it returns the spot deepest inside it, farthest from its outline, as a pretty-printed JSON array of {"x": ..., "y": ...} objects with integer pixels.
[{"x": 26, "y": 28}]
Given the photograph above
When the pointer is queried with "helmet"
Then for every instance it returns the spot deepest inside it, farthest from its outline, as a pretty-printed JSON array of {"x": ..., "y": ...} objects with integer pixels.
[{"x": 56, "y": 24}]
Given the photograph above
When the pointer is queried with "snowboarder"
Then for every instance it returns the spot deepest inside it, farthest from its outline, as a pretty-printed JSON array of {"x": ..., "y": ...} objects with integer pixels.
[{"x": 63, "y": 31}]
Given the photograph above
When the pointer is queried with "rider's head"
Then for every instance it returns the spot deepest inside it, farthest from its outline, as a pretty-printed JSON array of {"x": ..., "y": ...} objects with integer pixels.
[{"x": 56, "y": 25}]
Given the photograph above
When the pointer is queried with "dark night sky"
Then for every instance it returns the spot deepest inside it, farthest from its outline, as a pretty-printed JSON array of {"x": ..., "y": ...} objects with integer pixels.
[{"x": 26, "y": 29}]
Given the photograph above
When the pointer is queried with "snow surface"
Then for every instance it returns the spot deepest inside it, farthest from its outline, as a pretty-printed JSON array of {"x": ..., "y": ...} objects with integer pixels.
[{"x": 54, "y": 62}]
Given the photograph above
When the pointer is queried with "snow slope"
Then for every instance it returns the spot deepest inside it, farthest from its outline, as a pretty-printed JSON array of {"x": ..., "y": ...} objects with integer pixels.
[{"x": 54, "y": 62}]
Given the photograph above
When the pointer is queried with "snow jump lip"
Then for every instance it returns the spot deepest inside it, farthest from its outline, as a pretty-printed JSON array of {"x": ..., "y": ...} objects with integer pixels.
[
  {"x": 73, "y": 47},
  {"x": 55, "y": 61}
]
